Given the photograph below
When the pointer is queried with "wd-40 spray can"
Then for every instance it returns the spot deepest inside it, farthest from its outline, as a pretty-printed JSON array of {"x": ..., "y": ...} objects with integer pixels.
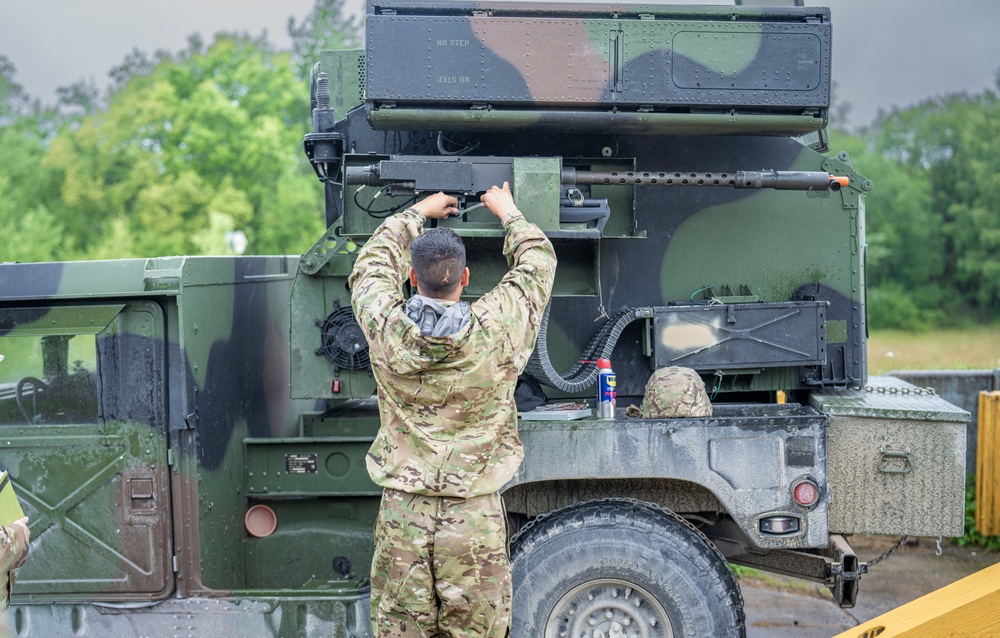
[{"x": 607, "y": 392}]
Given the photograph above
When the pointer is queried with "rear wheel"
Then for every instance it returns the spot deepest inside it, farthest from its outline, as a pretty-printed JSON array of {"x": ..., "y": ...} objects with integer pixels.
[{"x": 621, "y": 569}]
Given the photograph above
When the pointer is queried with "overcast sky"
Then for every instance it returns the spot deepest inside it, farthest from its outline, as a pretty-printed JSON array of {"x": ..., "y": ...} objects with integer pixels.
[{"x": 885, "y": 52}]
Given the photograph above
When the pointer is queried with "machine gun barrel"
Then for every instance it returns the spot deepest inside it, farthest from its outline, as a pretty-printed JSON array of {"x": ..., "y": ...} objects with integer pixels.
[
  {"x": 475, "y": 175},
  {"x": 779, "y": 180}
]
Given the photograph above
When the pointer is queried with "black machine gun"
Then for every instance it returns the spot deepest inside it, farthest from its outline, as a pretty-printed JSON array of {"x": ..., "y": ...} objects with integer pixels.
[{"x": 468, "y": 177}]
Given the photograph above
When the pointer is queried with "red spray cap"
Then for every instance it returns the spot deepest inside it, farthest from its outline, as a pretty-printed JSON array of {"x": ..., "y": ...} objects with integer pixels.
[{"x": 603, "y": 364}]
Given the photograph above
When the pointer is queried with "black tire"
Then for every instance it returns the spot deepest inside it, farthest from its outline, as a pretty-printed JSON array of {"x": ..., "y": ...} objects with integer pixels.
[{"x": 620, "y": 568}]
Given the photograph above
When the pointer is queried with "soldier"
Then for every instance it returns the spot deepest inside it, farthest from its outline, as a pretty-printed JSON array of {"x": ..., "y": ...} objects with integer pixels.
[
  {"x": 446, "y": 371},
  {"x": 673, "y": 392},
  {"x": 13, "y": 552}
]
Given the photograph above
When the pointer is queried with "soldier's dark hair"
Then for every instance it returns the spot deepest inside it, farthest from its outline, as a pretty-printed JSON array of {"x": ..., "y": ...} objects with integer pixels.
[{"x": 438, "y": 257}]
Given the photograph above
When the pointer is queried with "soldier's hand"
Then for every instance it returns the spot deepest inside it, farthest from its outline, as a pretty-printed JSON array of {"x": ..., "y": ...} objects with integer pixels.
[
  {"x": 23, "y": 522},
  {"x": 437, "y": 206},
  {"x": 500, "y": 201}
]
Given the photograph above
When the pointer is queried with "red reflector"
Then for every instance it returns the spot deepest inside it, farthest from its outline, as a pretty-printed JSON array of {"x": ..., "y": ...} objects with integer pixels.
[{"x": 806, "y": 493}]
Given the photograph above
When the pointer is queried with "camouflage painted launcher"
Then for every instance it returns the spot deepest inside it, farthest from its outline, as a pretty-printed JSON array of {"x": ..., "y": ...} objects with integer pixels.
[
  {"x": 757, "y": 283},
  {"x": 637, "y": 68},
  {"x": 583, "y": 108},
  {"x": 579, "y": 69}
]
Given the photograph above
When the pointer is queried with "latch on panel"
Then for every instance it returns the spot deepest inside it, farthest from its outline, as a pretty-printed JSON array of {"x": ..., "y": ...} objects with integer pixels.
[{"x": 141, "y": 493}]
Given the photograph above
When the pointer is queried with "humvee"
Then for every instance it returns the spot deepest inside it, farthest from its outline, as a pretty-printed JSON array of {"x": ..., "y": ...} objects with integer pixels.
[{"x": 188, "y": 434}]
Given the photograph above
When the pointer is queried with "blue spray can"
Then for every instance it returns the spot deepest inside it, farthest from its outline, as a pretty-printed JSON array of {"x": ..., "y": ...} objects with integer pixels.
[{"x": 607, "y": 391}]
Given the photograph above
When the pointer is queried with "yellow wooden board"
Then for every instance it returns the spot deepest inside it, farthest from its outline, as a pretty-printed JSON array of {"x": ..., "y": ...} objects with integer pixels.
[
  {"x": 988, "y": 465},
  {"x": 10, "y": 508},
  {"x": 969, "y": 608}
]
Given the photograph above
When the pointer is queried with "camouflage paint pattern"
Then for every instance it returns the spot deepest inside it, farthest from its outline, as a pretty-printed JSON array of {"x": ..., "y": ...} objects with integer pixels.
[
  {"x": 675, "y": 392},
  {"x": 549, "y": 55},
  {"x": 130, "y": 461},
  {"x": 141, "y": 489},
  {"x": 449, "y": 425},
  {"x": 441, "y": 567},
  {"x": 642, "y": 88}
]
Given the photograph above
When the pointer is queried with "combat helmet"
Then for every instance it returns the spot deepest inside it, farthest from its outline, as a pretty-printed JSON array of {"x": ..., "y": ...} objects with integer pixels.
[{"x": 675, "y": 392}]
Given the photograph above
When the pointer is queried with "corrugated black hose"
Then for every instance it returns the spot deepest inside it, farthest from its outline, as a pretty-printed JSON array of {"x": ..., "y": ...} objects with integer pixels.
[{"x": 583, "y": 373}]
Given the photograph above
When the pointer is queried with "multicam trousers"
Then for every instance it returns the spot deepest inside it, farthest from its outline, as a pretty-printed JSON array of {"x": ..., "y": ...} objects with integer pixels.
[{"x": 441, "y": 567}]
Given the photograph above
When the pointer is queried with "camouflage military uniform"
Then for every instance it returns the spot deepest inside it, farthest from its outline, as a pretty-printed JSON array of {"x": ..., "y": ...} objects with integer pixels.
[
  {"x": 444, "y": 561},
  {"x": 13, "y": 553},
  {"x": 448, "y": 440},
  {"x": 672, "y": 393}
]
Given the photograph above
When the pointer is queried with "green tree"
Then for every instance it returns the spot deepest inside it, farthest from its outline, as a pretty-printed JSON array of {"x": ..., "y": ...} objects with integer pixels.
[
  {"x": 180, "y": 152},
  {"x": 14, "y": 101},
  {"x": 951, "y": 143},
  {"x": 326, "y": 27},
  {"x": 188, "y": 148},
  {"x": 906, "y": 249},
  {"x": 31, "y": 229}
]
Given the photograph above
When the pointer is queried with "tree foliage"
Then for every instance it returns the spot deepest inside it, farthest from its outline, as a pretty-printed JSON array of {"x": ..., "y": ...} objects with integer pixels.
[
  {"x": 28, "y": 208},
  {"x": 934, "y": 216},
  {"x": 180, "y": 150},
  {"x": 201, "y": 140},
  {"x": 326, "y": 27}
]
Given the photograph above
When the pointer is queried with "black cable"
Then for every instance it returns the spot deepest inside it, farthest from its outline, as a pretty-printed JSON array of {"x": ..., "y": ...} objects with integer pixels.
[
  {"x": 384, "y": 212},
  {"x": 468, "y": 148}
]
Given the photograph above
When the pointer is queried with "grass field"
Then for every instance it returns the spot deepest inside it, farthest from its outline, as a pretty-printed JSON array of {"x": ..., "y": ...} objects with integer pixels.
[{"x": 967, "y": 349}]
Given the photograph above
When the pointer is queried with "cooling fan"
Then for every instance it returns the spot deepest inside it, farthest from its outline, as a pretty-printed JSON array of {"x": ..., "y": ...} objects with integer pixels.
[{"x": 342, "y": 340}]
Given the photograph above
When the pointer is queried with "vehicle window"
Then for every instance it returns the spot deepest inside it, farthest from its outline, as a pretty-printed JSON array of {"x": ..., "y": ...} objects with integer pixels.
[{"x": 48, "y": 379}]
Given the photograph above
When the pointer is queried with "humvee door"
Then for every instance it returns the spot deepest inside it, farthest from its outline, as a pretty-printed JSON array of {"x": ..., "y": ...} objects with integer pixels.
[{"x": 83, "y": 435}]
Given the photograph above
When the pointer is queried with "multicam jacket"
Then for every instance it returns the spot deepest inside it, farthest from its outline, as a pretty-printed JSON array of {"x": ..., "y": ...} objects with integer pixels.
[
  {"x": 449, "y": 425},
  {"x": 13, "y": 552}
]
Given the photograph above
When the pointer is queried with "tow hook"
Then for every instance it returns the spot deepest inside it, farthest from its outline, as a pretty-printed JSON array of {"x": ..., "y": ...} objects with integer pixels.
[{"x": 844, "y": 573}]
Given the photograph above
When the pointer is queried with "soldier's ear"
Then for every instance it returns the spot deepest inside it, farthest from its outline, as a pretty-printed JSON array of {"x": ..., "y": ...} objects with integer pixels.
[
  {"x": 465, "y": 276},
  {"x": 413, "y": 277}
]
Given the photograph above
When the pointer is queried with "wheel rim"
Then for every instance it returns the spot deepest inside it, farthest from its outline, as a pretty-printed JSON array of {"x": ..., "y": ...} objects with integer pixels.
[{"x": 608, "y": 608}]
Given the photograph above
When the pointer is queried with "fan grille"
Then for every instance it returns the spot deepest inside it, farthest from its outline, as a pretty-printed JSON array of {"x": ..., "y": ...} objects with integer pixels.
[{"x": 342, "y": 340}]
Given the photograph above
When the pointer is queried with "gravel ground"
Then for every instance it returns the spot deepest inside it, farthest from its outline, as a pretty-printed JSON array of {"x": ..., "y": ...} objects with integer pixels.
[{"x": 781, "y": 607}]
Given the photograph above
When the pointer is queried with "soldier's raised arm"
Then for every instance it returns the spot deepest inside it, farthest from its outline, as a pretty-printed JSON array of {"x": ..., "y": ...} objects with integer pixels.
[{"x": 520, "y": 298}]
